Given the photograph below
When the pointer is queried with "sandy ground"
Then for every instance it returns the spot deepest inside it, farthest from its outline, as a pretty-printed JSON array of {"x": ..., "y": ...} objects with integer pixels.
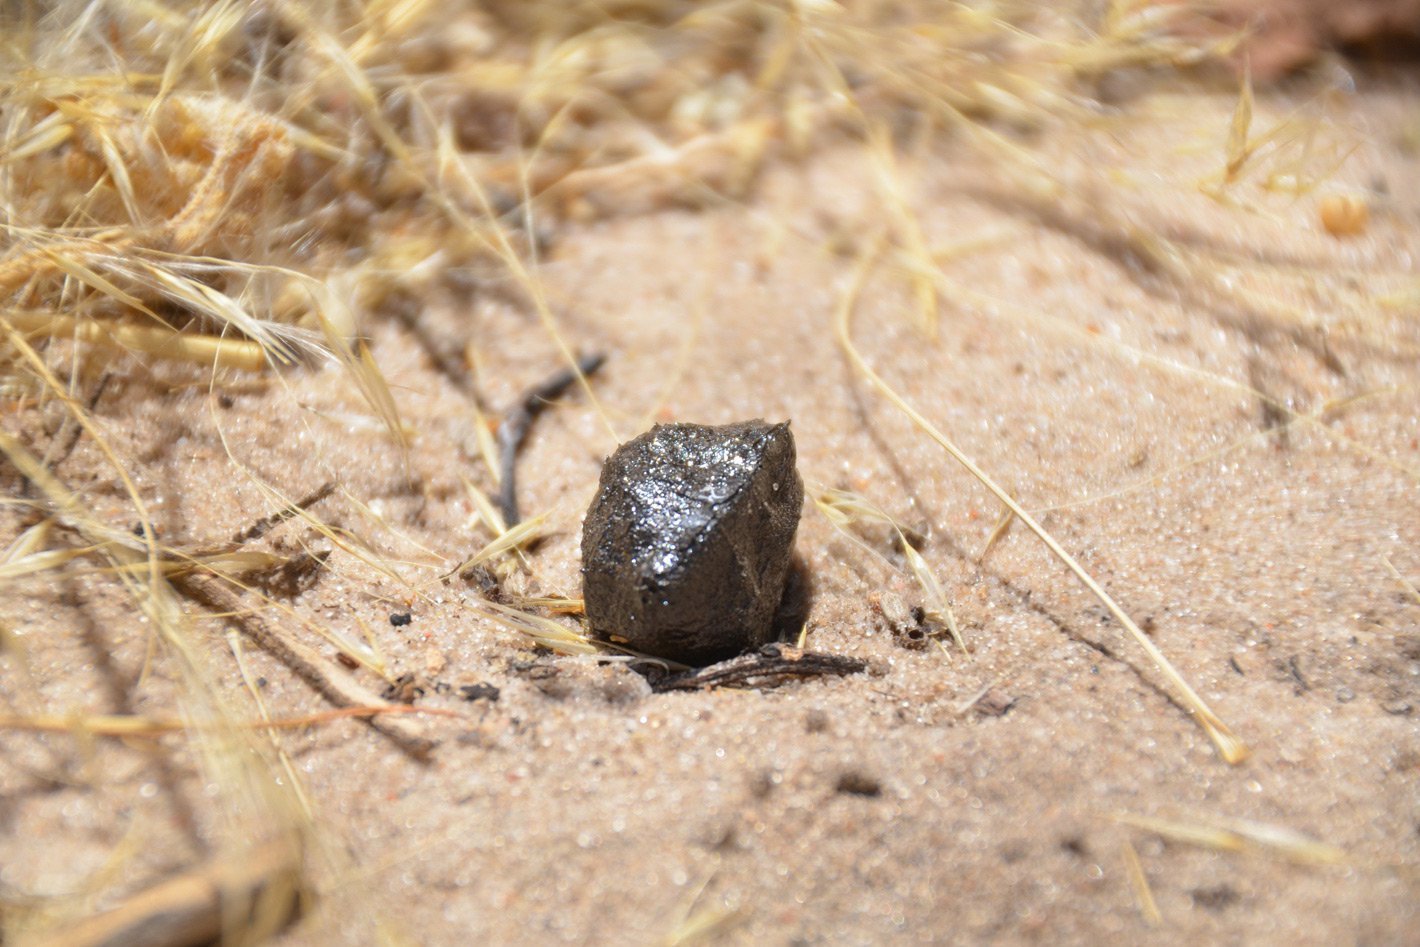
[{"x": 578, "y": 807}]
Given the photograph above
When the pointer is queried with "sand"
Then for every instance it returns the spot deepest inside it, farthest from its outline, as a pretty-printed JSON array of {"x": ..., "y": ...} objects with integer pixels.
[{"x": 939, "y": 798}]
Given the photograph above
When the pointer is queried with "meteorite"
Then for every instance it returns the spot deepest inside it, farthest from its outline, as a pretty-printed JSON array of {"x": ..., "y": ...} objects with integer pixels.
[{"x": 686, "y": 547}]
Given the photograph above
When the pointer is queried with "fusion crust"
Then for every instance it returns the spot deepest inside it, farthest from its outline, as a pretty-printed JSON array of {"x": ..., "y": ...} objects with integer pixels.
[{"x": 686, "y": 547}]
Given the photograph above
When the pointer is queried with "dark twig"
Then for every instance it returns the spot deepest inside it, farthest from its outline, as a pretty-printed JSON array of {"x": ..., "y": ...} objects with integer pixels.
[
  {"x": 770, "y": 666},
  {"x": 264, "y": 525},
  {"x": 515, "y": 425},
  {"x": 77, "y": 431},
  {"x": 443, "y": 352}
]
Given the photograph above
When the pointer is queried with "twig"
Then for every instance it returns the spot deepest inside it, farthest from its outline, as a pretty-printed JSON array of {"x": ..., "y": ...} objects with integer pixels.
[
  {"x": 770, "y": 666},
  {"x": 76, "y": 432},
  {"x": 514, "y": 428},
  {"x": 264, "y": 525},
  {"x": 405, "y": 311}
]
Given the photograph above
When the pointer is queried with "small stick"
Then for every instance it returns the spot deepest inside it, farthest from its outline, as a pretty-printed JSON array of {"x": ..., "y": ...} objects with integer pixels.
[
  {"x": 74, "y": 435},
  {"x": 78, "y": 431},
  {"x": 514, "y": 428},
  {"x": 770, "y": 666},
  {"x": 264, "y": 525}
]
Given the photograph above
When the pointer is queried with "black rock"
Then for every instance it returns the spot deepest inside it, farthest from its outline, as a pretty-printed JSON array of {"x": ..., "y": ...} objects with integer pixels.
[
  {"x": 687, "y": 545},
  {"x": 479, "y": 692}
]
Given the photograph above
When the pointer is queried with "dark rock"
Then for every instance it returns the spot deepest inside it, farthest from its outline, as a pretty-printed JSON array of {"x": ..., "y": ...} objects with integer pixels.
[{"x": 687, "y": 544}]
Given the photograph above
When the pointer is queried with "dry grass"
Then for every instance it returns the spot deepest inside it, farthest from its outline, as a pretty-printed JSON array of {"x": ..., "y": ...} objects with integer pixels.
[
  {"x": 1241, "y": 835},
  {"x": 844, "y": 509},
  {"x": 1232, "y": 749},
  {"x": 243, "y": 188}
]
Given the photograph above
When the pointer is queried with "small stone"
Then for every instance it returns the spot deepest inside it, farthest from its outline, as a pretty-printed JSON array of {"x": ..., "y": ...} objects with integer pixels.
[
  {"x": 816, "y": 720},
  {"x": 473, "y": 692},
  {"x": 857, "y": 783},
  {"x": 687, "y": 544}
]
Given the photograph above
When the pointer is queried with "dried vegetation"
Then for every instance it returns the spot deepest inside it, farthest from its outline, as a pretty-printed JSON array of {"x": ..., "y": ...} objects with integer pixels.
[{"x": 205, "y": 191}]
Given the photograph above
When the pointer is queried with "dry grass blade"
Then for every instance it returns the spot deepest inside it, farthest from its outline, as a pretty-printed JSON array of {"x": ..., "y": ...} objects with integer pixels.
[
  {"x": 842, "y": 507},
  {"x": 122, "y": 726},
  {"x": 1230, "y": 747},
  {"x": 543, "y": 631},
  {"x": 1240, "y": 835},
  {"x": 1237, "y": 151},
  {"x": 285, "y": 511},
  {"x": 332, "y": 314},
  {"x": 227, "y": 564},
  {"x": 30, "y": 541},
  {"x": 118, "y": 172},
  {"x": 937, "y": 608},
  {"x": 488, "y": 512},
  {"x": 710, "y": 924},
  {"x": 201, "y": 41},
  {"x": 205, "y": 350},
  {"x": 1139, "y": 882},
  {"x": 907, "y": 230},
  {"x": 998, "y": 532},
  {"x": 73, "y": 265},
  {"x": 202, "y": 298},
  {"x": 491, "y": 518},
  {"x": 41, "y": 561},
  {"x": 50, "y": 132},
  {"x": 366, "y": 653},
  {"x": 333, "y": 682},
  {"x": 557, "y": 604},
  {"x": 298, "y": 789},
  {"x": 1405, "y": 583},
  {"x": 964, "y": 707},
  {"x": 487, "y": 450},
  {"x": 506, "y": 541}
]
